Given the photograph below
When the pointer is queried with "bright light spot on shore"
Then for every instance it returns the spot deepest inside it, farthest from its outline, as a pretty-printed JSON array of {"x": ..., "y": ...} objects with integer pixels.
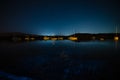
[
  {"x": 46, "y": 38},
  {"x": 93, "y": 37},
  {"x": 60, "y": 38},
  {"x": 102, "y": 39},
  {"x": 116, "y": 38},
  {"x": 27, "y": 38},
  {"x": 73, "y": 38},
  {"x": 32, "y": 38},
  {"x": 53, "y": 39}
]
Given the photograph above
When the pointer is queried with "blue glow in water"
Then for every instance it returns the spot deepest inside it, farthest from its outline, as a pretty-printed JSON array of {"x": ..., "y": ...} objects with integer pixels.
[{"x": 12, "y": 77}]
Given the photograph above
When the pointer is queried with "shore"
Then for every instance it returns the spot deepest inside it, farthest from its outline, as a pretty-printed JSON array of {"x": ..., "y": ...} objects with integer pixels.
[{"x": 74, "y": 37}]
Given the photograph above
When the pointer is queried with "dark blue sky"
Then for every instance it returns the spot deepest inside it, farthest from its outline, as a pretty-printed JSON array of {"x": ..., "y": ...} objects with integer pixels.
[{"x": 59, "y": 16}]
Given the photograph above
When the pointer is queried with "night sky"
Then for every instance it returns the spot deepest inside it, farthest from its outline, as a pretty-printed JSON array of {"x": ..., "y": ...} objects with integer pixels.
[{"x": 51, "y": 17}]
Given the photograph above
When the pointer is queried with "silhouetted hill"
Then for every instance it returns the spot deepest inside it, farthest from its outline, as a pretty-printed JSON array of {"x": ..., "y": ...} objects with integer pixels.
[
  {"x": 87, "y": 36},
  {"x": 7, "y": 34},
  {"x": 12, "y": 34}
]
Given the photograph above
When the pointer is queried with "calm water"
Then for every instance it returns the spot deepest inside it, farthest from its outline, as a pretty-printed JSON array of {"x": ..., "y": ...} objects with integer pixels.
[{"x": 60, "y": 60}]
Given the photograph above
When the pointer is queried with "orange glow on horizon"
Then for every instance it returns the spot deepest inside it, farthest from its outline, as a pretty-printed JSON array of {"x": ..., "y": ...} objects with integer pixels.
[
  {"x": 46, "y": 38},
  {"x": 53, "y": 38},
  {"x": 73, "y": 38}
]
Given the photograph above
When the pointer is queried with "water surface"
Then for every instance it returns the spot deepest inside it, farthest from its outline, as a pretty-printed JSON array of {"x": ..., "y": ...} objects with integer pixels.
[{"x": 59, "y": 60}]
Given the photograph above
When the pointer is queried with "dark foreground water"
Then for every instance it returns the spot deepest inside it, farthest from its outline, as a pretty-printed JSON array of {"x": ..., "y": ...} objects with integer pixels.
[{"x": 60, "y": 60}]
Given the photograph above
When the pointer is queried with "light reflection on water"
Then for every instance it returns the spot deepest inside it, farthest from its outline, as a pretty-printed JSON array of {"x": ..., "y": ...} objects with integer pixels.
[{"x": 63, "y": 60}]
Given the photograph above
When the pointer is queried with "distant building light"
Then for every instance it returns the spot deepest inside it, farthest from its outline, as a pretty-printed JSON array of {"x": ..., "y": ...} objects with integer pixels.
[
  {"x": 53, "y": 38},
  {"x": 116, "y": 38},
  {"x": 46, "y": 38},
  {"x": 60, "y": 38},
  {"x": 102, "y": 39},
  {"x": 32, "y": 38},
  {"x": 27, "y": 38},
  {"x": 73, "y": 38},
  {"x": 93, "y": 37}
]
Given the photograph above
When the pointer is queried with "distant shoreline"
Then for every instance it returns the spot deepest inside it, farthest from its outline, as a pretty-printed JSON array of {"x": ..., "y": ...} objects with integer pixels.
[{"x": 17, "y": 36}]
